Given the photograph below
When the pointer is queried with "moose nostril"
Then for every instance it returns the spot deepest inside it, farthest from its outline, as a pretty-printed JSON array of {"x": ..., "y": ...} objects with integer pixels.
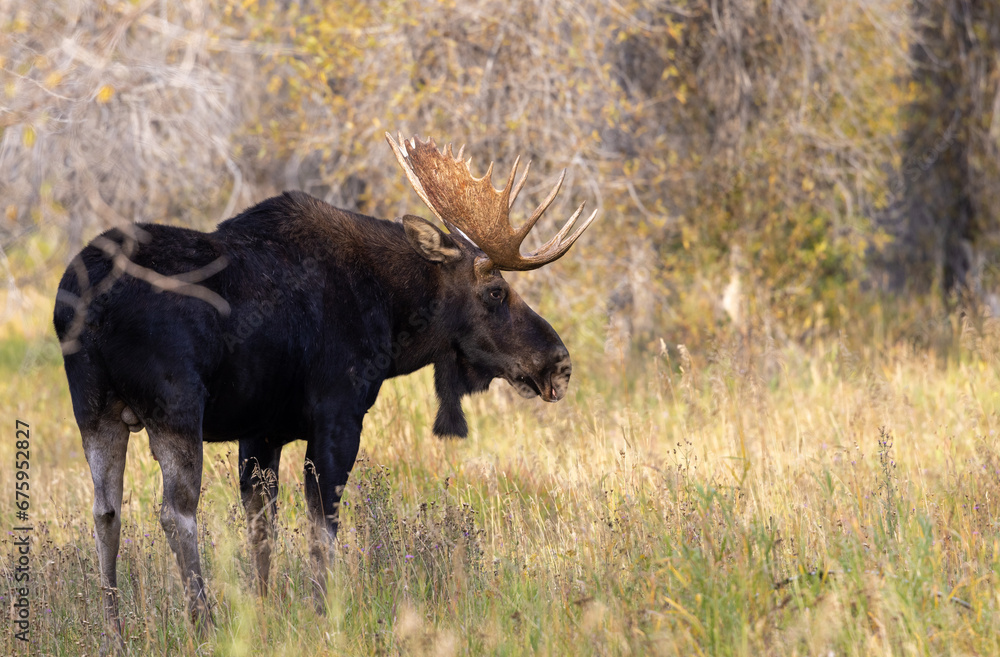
[{"x": 558, "y": 374}]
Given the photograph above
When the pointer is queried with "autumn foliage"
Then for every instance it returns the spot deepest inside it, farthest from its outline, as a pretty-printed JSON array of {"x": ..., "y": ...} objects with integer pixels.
[{"x": 752, "y": 161}]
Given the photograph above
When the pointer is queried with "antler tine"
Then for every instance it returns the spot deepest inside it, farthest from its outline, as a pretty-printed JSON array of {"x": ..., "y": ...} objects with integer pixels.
[
  {"x": 402, "y": 156},
  {"x": 523, "y": 231},
  {"x": 555, "y": 248},
  {"x": 579, "y": 231},
  {"x": 520, "y": 183},
  {"x": 505, "y": 193},
  {"x": 568, "y": 226}
]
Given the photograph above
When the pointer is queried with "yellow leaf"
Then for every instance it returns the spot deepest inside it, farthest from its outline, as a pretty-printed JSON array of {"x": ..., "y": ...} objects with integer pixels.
[
  {"x": 807, "y": 184},
  {"x": 28, "y": 136},
  {"x": 53, "y": 79},
  {"x": 105, "y": 93}
]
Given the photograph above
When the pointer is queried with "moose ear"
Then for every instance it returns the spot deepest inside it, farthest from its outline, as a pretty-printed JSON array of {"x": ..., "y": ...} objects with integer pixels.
[{"x": 429, "y": 241}]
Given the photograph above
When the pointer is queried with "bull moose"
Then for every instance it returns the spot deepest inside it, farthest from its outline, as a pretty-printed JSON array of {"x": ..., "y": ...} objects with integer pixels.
[{"x": 282, "y": 325}]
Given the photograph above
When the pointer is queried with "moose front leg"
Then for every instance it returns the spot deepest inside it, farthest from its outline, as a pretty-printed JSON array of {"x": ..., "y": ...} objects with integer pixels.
[
  {"x": 330, "y": 457},
  {"x": 259, "y": 490}
]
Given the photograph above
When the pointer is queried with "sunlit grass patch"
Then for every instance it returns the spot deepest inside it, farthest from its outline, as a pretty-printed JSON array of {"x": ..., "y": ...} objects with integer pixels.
[{"x": 733, "y": 504}]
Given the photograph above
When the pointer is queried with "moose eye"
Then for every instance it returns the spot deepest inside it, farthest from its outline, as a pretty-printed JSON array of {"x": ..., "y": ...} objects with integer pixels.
[{"x": 496, "y": 295}]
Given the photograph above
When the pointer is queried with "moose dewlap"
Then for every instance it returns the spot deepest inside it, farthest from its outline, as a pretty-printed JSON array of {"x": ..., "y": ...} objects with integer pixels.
[{"x": 282, "y": 325}]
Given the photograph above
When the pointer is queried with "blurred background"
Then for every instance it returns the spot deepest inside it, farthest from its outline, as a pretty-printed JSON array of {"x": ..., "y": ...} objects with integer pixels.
[{"x": 789, "y": 170}]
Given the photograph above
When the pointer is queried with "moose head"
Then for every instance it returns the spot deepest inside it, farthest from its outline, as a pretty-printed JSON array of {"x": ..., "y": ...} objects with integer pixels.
[{"x": 493, "y": 333}]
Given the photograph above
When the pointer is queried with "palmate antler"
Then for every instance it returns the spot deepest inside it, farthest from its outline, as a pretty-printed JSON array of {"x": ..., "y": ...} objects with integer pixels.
[{"x": 473, "y": 207}]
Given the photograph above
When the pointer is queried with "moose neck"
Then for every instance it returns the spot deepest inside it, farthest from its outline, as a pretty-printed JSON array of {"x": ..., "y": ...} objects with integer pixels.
[{"x": 413, "y": 289}]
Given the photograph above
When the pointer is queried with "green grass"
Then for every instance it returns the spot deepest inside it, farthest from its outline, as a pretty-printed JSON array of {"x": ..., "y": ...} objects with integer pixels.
[{"x": 745, "y": 502}]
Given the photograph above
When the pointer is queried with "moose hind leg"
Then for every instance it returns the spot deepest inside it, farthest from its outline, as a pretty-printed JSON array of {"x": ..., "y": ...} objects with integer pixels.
[
  {"x": 180, "y": 457},
  {"x": 259, "y": 490},
  {"x": 105, "y": 446}
]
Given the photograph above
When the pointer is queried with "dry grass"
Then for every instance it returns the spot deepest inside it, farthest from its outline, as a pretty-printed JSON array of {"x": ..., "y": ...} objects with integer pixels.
[{"x": 745, "y": 501}]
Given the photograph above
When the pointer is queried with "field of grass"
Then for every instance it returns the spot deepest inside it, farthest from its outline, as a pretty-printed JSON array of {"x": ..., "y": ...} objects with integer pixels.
[{"x": 747, "y": 500}]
